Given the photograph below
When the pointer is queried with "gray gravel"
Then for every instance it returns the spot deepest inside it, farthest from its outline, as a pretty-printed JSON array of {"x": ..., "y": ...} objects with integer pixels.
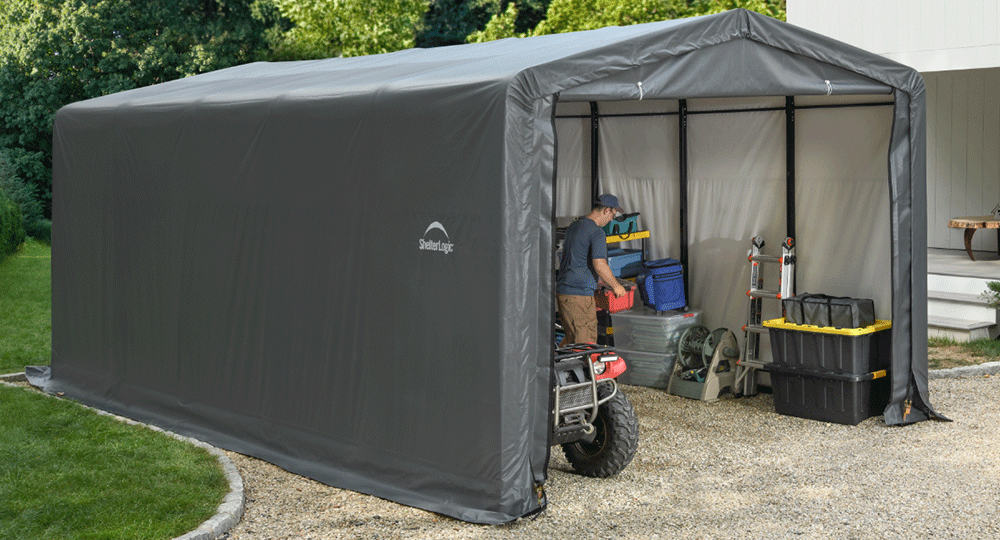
[{"x": 730, "y": 469}]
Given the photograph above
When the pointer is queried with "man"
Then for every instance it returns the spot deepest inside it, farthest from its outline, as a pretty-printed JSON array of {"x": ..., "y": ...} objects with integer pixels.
[{"x": 584, "y": 262}]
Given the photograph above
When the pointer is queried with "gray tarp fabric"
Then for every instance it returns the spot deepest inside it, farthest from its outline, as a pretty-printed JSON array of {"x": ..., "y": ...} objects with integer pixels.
[{"x": 345, "y": 266}]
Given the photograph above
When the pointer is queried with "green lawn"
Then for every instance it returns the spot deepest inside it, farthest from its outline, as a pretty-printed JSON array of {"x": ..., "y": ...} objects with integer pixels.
[
  {"x": 26, "y": 308},
  {"x": 67, "y": 473}
]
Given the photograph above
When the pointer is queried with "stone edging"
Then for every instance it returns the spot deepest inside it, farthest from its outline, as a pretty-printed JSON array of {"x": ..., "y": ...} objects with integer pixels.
[
  {"x": 229, "y": 512},
  {"x": 989, "y": 368}
]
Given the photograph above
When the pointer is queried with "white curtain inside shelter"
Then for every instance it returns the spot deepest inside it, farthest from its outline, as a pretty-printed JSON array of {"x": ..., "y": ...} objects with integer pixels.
[
  {"x": 737, "y": 190},
  {"x": 573, "y": 159},
  {"x": 842, "y": 203},
  {"x": 638, "y": 162}
]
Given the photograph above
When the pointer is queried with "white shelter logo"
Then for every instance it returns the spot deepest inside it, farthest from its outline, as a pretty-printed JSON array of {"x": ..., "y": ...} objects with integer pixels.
[{"x": 444, "y": 246}]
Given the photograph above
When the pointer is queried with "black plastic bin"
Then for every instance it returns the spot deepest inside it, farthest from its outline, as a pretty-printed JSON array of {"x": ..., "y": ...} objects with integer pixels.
[{"x": 835, "y": 375}]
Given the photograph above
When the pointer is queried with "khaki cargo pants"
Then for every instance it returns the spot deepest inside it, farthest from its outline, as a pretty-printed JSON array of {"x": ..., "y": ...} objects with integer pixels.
[{"x": 579, "y": 318}]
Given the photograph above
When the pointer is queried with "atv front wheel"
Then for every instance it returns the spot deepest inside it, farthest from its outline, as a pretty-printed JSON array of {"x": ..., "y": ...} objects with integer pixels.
[{"x": 614, "y": 443}]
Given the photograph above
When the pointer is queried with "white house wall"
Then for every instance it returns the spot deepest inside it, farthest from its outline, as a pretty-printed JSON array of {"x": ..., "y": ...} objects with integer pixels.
[
  {"x": 963, "y": 153},
  {"x": 927, "y": 35},
  {"x": 955, "y": 44}
]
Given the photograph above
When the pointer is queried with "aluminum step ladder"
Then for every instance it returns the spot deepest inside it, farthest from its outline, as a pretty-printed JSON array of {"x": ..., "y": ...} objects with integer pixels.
[{"x": 749, "y": 363}]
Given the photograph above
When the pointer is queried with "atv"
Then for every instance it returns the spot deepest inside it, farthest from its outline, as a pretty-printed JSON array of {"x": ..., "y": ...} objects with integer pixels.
[{"x": 593, "y": 420}]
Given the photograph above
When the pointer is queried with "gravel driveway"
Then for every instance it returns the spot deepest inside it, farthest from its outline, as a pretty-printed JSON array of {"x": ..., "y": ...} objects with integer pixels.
[{"x": 730, "y": 469}]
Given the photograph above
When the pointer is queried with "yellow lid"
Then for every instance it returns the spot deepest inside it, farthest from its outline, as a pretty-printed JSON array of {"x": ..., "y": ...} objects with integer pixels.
[{"x": 780, "y": 323}]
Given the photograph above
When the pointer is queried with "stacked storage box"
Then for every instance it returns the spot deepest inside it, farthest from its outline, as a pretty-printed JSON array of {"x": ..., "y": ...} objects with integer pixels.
[
  {"x": 647, "y": 340},
  {"x": 831, "y": 374},
  {"x": 625, "y": 263}
]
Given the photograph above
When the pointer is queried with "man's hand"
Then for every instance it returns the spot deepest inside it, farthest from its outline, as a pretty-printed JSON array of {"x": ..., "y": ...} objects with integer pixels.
[
  {"x": 619, "y": 290},
  {"x": 608, "y": 277}
]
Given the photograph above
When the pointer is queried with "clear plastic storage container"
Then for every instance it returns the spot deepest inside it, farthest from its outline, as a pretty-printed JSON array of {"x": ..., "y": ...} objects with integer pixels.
[{"x": 645, "y": 330}]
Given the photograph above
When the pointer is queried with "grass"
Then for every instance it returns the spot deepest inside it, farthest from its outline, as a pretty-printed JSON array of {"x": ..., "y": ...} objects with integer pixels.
[
  {"x": 68, "y": 473},
  {"x": 26, "y": 308},
  {"x": 948, "y": 353}
]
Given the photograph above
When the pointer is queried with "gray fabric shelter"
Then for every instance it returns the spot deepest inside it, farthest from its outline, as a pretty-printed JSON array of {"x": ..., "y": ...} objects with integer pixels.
[{"x": 345, "y": 266}]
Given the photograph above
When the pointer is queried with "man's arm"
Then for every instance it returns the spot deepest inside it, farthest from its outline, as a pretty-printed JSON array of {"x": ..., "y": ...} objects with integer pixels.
[{"x": 607, "y": 276}]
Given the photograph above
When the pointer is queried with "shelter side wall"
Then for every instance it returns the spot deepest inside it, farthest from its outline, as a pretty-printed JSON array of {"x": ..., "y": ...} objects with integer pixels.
[
  {"x": 322, "y": 283},
  {"x": 963, "y": 154}
]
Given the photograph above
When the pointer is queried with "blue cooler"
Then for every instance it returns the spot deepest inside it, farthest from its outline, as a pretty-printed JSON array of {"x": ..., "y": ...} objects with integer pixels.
[{"x": 661, "y": 285}]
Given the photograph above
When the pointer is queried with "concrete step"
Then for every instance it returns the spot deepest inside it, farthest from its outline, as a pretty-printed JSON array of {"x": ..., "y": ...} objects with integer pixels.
[
  {"x": 958, "y": 284},
  {"x": 955, "y": 305},
  {"x": 960, "y": 329}
]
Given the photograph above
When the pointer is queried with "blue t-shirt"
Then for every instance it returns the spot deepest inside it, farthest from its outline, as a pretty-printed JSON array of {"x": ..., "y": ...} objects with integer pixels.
[{"x": 584, "y": 242}]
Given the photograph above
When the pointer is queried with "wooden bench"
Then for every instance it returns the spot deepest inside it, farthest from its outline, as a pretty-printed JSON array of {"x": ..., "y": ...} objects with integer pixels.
[{"x": 973, "y": 223}]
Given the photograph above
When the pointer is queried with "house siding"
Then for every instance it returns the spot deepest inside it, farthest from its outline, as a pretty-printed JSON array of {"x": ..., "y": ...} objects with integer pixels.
[
  {"x": 963, "y": 153},
  {"x": 928, "y": 35},
  {"x": 955, "y": 44}
]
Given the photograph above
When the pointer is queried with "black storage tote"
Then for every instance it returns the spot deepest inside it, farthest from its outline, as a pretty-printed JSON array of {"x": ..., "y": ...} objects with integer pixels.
[
  {"x": 661, "y": 285},
  {"x": 829, "y": 311}
]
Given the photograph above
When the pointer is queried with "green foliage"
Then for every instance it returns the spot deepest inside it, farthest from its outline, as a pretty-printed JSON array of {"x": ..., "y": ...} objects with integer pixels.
[
  {"x": 327, "y": 28},
  {"x": 27, "y": 201},
  {"x": 55, "y": 52},
  {"x": 11, "y": 229},
  {"x": 500, "y": 26},
  {"x": 575, "y": 15},
  {"x": 992, "y": 294},
  {"x": 68, "y": 473},
  {"x": 771, "y": 8},
  {"x": 448, "y": 22},
  {"x": 26, "y": 308}
]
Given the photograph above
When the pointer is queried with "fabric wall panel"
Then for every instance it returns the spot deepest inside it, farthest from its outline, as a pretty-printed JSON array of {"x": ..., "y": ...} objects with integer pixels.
[
  {"x": 639, "y": 164},
  {"x": 736, "y": 191},
  {"x": 842, "y": 204}
]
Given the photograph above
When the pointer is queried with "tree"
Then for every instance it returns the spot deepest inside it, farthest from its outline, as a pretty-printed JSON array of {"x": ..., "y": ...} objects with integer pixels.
[
  {"x": 500, "y": 26},
  {"x": 327, "y": 28},
  {"x": 448, "y": 22},
  {"x": 55, "y": 52},
  {"x": 771, "y": 8},
  {"x": 575, "y": 15}
]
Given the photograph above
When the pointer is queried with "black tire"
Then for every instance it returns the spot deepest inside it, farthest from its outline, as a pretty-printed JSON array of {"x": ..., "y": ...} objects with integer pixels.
[{"x": 615, "y": 442}]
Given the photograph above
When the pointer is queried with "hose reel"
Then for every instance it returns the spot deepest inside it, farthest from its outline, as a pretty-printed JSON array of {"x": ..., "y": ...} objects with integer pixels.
[{"x": 706, "y": 362}]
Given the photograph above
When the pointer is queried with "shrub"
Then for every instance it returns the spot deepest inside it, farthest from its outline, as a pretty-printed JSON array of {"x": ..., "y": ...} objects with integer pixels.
[
  {"x": 11, "y": 230},
  {"x": 26, "y": 200},
  {"x": 992, "y": 293}
]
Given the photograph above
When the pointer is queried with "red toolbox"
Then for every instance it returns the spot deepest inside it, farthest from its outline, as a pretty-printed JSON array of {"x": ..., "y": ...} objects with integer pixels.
[{"x": 606, "y": 299}]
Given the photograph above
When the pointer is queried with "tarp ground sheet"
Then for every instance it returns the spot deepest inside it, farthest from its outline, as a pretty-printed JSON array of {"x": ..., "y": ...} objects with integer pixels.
[{"x": 345, "y": 266}]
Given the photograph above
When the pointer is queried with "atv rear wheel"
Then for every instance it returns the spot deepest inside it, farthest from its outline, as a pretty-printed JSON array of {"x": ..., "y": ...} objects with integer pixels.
[{"x": 614, "y": 443}]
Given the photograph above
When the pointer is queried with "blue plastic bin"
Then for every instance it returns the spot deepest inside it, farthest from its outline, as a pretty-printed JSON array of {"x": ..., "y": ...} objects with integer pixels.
[{"x": 625, "y": 263}]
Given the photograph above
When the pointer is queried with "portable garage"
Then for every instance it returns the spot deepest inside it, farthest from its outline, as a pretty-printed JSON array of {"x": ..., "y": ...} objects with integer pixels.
[{"x": 345, "y": 266}]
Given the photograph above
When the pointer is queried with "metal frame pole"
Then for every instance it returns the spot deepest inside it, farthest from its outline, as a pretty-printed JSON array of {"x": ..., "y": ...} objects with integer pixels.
[
  {"x": 594, "y": 153},
  {"x": 683, "y": 164}
]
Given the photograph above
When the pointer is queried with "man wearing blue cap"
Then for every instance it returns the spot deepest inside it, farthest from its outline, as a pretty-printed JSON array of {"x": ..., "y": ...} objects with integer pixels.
[{"x": 583, "y": 264}]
